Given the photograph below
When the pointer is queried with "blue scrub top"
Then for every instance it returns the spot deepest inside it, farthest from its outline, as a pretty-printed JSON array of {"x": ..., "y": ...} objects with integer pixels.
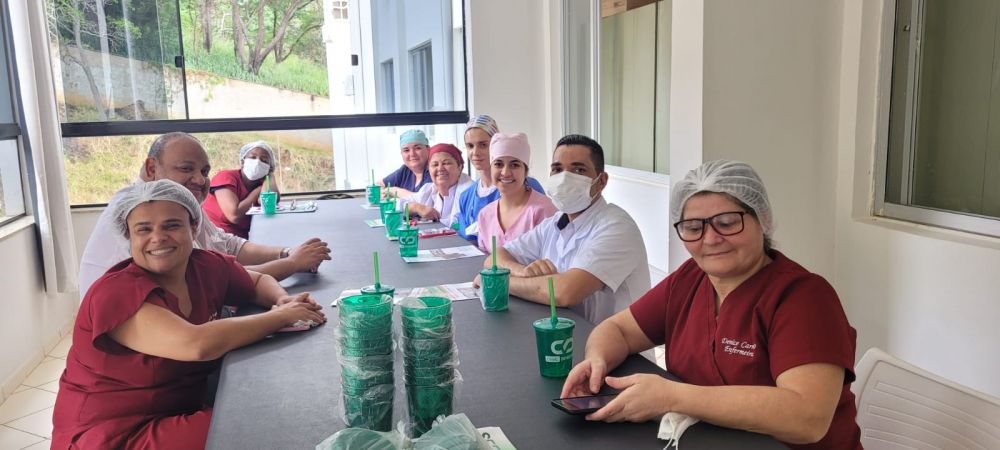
[
  {"x": 469, "y": 204},
  {"x": 404, "y": 178}
]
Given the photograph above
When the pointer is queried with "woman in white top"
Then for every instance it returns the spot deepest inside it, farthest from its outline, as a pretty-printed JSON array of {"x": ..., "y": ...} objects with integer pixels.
[{"x": 439, "y": 199}]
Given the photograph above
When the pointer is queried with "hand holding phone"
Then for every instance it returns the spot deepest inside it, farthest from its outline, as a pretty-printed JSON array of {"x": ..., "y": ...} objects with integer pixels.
[{"x": 583, "y": 405}]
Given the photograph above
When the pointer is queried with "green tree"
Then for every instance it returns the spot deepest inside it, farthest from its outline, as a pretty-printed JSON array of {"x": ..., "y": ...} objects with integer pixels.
[{"x": 255, "y": 38}]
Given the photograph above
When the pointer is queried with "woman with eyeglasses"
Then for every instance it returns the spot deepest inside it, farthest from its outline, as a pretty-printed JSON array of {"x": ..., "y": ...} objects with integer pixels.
[{"x": 759, "y": 342}]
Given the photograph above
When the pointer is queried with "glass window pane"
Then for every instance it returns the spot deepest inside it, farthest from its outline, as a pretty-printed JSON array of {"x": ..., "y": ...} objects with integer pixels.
[
  {"x": 6, "y": 100},
  {"x": 114, "y": 60},
  {"x": 11, "y": 196},
  {"x": 308, "y": 160},
  {"x": 306, "y": 57}
]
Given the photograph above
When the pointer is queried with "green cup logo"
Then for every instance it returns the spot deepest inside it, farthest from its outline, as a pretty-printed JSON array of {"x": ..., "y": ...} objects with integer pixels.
[
  {"x": 562, "y": 347},
  {"x": 408, "y": 240}
]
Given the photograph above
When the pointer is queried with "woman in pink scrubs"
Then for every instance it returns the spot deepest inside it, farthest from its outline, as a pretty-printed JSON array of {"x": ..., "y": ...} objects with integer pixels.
[
  {"x": 148, "y": 332},
  {"x": 519, "y": 207}
]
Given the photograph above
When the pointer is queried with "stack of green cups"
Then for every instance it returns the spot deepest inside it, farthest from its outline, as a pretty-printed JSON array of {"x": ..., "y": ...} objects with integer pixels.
[
  {"x": 428, "y": 360},
  {"x": 366, "y": 360}
]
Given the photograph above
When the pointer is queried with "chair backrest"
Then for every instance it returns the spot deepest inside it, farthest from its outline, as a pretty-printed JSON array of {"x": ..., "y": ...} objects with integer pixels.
[{"x": 903, "y": 406}]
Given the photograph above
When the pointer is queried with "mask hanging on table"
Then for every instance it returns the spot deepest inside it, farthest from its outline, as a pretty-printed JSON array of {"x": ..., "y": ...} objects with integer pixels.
[
  {"x": 255, "y": 169},
  {"x": 570, "y": 192}
]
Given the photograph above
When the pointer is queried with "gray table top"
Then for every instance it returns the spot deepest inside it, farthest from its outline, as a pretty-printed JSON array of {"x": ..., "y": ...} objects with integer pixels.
[{"x": 283, "y": 392}]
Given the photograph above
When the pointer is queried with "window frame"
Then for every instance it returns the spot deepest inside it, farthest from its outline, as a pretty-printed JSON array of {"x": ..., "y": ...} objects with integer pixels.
[
  {"x": 14, "y": 131},
  {"x": 940, "y": 218},
  {"x": 276, "y": 123}
]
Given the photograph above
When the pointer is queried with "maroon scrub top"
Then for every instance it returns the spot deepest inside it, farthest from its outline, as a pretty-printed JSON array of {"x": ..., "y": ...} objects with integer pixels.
[
  {"x": 232, "y": 180},
  {"x": 108, "y": 391},
  {"x": 781, "y": 317}
]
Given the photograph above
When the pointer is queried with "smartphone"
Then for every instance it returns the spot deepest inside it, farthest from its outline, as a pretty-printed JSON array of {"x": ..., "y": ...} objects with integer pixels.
[{"x": 583, "y": 405}]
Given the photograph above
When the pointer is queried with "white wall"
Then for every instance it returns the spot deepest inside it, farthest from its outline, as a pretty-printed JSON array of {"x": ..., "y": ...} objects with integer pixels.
[
  {"x": 509, "y": 52},
  {"x": 925, "y": 295},
  {"x": 32, "y": 321}
]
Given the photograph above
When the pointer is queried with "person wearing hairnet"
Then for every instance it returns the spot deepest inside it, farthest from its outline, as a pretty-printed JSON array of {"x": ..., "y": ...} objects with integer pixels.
[
  {"x": 180, "y": 157},
  {"x": 592, "y": 249},
  {"x": 479, "y": 133},
  {"x": 233, "y": 192},
  {"x": 760, "y": 343},
  {"x": 148, "y": 333},
  {"x": 413, "y": 174}
]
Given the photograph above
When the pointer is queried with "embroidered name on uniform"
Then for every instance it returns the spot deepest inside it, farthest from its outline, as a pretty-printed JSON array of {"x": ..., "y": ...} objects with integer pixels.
[{"x": 736, "y": 347}]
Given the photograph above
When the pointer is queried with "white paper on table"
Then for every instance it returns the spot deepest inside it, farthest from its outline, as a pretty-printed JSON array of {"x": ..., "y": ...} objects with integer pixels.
[
  {"x": 444, "y": 254},
  {"x": 496, "y": 439},
  {"x": 454, "y": 292},
  {"x": 285, "y": 208},
  {"x": 367, "y": 206},
  {"x": 374, "y": 223}
]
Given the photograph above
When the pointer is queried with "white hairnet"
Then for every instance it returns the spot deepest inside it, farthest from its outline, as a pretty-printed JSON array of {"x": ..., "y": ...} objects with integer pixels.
[
  {"x": 257, "y": 144},
  {"x": 726, "y": 177},
  {"x": 165, "y": 190}
]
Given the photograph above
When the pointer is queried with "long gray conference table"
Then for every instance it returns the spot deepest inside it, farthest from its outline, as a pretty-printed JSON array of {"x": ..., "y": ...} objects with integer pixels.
[{"x": 283, "y": 392}]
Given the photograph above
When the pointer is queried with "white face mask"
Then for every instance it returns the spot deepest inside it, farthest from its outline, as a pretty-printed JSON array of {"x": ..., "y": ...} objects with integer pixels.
[
  {"x": 570, "y": 192},
  {"x": 255, "y": 169}
]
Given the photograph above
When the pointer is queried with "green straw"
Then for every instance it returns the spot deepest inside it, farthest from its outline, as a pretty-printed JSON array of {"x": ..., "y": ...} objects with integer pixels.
[
  {"x": 494, "y": 254},
  {"x": 378, "y": 285},
  {"x": 552, "y": 303},
  {"x": 267, "y": 183},
  {"x": 406, "y": 215},
  {"x": 373, "y": 177}
]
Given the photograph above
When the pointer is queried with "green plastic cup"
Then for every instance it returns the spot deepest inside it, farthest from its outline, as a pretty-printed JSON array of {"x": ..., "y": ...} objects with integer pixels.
[
  {"x": 412, "y": 331},
  {"x": 408, "y": 240},
  {"x": 368, "y": 304},
  {"x": 424, "y": 307},
  {"x": 392, "y": 221},
  {"x": 362, "y": 347},
  {"x": 385, "y": 206},
  {"x": 364, "y": 413},
  {"x": 365, "y": 366},
  {"x": 428, "y": 376},
  {"x": 425, "y": 403},
  {"x": 269, "y": 202},
  {"x": 366, "y": 333},
  {"x": 382, "y": 289},
  {"x": 555, "y": 346},
  {"x": 444, "y": 360},
  {"x": 366, "y": 381},
  {"x": 493, "y": 289},
  {"x": 428, "y": 348},
  {"x": 374, "y": 193}
]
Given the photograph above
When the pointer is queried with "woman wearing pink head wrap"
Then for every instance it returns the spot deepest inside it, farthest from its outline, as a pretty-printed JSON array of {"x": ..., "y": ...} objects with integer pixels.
[
  {"x": 439, "y": 199},
  {"x": 519, "y": 207}
]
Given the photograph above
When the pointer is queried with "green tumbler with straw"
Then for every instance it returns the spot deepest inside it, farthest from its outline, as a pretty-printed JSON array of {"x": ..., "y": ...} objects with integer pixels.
[
  {"x": 554, "y": 340},
  {"x": 494, "y": 284}
]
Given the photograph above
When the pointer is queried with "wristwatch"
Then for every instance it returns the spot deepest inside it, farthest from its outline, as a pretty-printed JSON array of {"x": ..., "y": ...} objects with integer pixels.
[{"x": 285, "y": 252}]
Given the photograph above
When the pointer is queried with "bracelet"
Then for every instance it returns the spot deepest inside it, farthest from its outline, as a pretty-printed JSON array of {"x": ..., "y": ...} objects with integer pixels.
[{"x": 285, "y": 252}]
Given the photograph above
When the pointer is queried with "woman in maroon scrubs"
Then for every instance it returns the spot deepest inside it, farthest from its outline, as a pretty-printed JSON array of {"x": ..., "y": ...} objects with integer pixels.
[
  {"x": 760, "y": 343},
  {"x": 148, "y": 332}
]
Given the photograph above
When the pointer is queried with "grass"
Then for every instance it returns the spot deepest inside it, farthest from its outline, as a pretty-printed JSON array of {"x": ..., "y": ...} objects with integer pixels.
[
  {"x": 294, "y": 73},
  {"x": 98, "y": 167}
]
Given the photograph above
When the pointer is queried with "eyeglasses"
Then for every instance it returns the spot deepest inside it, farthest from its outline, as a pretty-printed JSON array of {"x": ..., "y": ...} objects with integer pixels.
[{"x": 725, "y": 224}]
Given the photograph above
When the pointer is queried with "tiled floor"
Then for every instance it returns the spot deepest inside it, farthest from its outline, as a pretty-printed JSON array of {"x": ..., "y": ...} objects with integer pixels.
[{"x": 26, "y": 416}]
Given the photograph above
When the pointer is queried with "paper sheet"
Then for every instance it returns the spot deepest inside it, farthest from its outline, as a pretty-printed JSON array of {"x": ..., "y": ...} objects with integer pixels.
[
  {"x": 496, "y": 439},
  {"x": 444, "y": 254},
  {"x": 286, "y": 208}
]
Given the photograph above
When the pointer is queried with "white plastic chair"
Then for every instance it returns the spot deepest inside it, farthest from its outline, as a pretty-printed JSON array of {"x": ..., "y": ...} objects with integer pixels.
[{"x": 901, "y": 406}]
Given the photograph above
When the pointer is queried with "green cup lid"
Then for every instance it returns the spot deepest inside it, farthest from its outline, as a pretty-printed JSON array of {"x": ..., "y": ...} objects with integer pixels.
[
  {"x": 489, "y": 271},
  {"x": 546, "y": 323}
]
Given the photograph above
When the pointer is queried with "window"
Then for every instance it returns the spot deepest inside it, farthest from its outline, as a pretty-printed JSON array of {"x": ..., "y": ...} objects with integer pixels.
[
  {"x": 941, "y": 161},
  {"x": 422, "y": 72},
  {"x": 11, "y": 186},
  {"x": 310, "y": 67},
  {"x": 387, "y": 88},
  {"x": 627, "y": 109}
]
